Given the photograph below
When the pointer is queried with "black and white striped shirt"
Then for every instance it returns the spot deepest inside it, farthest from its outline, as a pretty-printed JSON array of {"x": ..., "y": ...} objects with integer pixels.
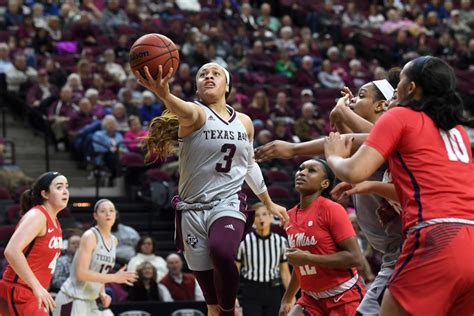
[{"x": 260, "y": 257}]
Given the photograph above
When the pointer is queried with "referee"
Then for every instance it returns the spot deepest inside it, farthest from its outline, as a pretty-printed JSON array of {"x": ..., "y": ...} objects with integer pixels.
[{"x": 263, "y": 267}]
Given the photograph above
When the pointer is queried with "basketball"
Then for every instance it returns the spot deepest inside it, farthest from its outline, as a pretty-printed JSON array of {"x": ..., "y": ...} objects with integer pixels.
[{"x": 153, "y": 50}]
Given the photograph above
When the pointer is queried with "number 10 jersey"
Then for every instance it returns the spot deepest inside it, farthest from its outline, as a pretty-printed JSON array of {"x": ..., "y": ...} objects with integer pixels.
[{"x": 213, "y": 160}]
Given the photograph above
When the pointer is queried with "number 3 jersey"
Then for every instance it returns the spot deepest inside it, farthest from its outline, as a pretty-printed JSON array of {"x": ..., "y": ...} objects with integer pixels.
[
  {"x": 102, "y": 261},
  {"x": 318, "y": 229},
  {"x": 213, "y": 160},
  {"x": 41, "y": 254}
]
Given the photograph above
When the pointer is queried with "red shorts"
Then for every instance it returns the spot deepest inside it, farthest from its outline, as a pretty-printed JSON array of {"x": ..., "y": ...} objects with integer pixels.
[
  {"x": 434, "y": 274},
  {"x": 19, "y": 300},
  {"x": 344, "y": 304}
]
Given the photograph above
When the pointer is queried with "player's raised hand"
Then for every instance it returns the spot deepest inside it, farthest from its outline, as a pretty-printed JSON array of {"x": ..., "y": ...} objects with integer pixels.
[
  {"x": 127, "y": 277},
  {"x": 337, "y": 145},
  {"x": 280, "y": 212},
  {"x": 45, "y": 301},
  {"x": 272, "y": 150},
  {"x": 159, "y": 85}
]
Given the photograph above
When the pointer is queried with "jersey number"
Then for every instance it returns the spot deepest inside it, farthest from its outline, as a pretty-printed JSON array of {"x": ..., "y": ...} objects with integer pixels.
[
  {"x": 229, "y": 150},
  {"x": 455, "y": 145},
  {"x": 52, "y": 264},
  {"x": 105, "y": 268},
  {"x": 307, "y": 270}
]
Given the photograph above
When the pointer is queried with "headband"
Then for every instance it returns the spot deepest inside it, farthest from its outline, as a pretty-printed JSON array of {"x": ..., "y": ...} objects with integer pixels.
[
  {"x": 385, "y": 88},
  {"x": 227, "y": 75},
  {"x": 99, "y": 202},
  {"x": 47, "y": 178}
]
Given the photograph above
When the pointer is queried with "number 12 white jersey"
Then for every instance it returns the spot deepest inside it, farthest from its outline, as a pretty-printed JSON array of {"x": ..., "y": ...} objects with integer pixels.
[
  {"x": 213, "y": 160},
  {"x": 102, "y": 261}
]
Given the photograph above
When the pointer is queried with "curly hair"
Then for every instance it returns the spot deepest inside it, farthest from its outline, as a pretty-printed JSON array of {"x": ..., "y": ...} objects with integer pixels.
[{"x": 162, "y": 134}]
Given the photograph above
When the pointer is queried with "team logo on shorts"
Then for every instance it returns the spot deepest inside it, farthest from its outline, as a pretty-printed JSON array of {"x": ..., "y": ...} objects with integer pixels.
[{"x": 191, "y": 240}]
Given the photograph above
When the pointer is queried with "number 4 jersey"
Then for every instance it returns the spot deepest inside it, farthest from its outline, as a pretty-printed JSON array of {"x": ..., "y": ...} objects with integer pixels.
[
  {"x": 432, "y": 169},
  {"x": 319, "y": 228},
  {"x": 41, "y": 253},
  {"x": 213, "y": 160},
  {"x": 102, "y": 261}
]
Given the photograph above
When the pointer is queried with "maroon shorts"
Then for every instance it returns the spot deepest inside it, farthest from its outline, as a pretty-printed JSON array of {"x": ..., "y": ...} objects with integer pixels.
[
  {"x": 20, "y": 300},
  {"x": 344, "y": 304},
  {"x": 434, "y": 274}
]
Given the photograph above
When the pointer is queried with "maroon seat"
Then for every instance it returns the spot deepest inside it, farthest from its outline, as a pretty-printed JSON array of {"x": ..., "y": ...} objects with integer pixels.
[
  {"x": 132, "y": 160},
  {"x": 13, "y": 214},
  {"x": 278, "y": 192},
  {"x": 4, "y": 194},
  {"x": 6, "y": 232},
  {"x": 277, "y": 176},
  {"x": 157, "y": 175}
]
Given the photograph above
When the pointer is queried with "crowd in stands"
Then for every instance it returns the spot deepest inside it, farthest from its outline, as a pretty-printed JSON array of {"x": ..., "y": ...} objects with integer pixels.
[{"x": 64, "y": 64}]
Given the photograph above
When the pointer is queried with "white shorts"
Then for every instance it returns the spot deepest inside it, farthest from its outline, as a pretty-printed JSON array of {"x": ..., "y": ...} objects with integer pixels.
[
  {"x": 195, "y": 227},
  {"x": 370, "y": 305},
  {"x": 66, "y": 305}
]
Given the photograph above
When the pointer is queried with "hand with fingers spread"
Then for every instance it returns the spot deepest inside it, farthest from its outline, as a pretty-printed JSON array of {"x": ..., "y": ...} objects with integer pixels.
[
  {"x": 160, "y": 85},
  {"x": 280, "y": 212},
  {"x": 275, "y": 149},
  {"x": 337, "y": 145},
  {"x": 45, "y": 301},
  {"x": 125, "y": 277}
]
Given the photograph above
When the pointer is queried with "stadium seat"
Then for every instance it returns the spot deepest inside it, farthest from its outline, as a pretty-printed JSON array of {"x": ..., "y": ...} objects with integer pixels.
[
  {"x": 278, "y": 192},
  {"x": 135, "y": 313},
  {"x": 187, "y": 312},
  {"x": 153, "y": 175},
  {"x": 6, "y": 231},
  {"x": 4, "y": 194},
  {"x": 13, "y": 214}
]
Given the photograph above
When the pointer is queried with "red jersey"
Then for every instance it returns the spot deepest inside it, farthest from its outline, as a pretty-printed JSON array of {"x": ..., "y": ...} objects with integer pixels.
[
  {"x": 318, "y": 229},
  {"x": 432, "y": 169},
  {"x": 41, "y": 253}
]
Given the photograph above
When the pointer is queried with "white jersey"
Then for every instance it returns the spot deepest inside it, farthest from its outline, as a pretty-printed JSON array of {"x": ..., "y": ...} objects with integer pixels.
[
  {"x": 102, "y": 261},
  {"x": 213, "y": 160}
]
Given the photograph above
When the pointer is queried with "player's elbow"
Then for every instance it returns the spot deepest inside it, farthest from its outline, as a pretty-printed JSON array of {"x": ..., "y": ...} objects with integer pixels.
[
  {"x": 9, "y": 253},
  {"x": 80, "y": 274}
]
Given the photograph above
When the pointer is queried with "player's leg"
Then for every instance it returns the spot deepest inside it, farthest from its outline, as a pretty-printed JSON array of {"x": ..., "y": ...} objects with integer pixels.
[
  {"x": 206, "y": 282},
  {"x": 224, "y": 240},
  {"x": 370, "y": 304},
  {"x": 346, "y": 304}
]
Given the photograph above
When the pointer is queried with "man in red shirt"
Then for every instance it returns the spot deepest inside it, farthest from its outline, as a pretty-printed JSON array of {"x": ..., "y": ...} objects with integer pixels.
[{"x": 431, "y": 164}]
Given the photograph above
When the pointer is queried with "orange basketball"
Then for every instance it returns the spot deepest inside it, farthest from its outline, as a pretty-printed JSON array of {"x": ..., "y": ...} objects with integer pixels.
[{"x": 153, "y": 50}]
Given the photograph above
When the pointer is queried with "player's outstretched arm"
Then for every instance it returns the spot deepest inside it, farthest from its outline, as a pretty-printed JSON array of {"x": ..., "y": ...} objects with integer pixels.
[
  {"x": 189, "y": 114},
  {"x": 279, "y": 149}
]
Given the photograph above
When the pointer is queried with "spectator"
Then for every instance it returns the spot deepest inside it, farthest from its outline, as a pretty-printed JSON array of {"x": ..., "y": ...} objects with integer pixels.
[
  {"x": 14, "y": 15},
  {"x": 282, "y": 131},
  {"x": 97, "y": 108},
  {"x": 106, "y": 150},
  {"x": 74, "y": 82},
  {"x": 131, "y": 85},
  {"x": 262, "y": 287},
  {"x": 266, "y": 19},
  {"x": 122, "y": 49},
  {"x": 247, "y": 18},
  {"x": 113, "y": 69},
  {"x": 305, "y": 75},
  {"x": 466, "y": 13},
  {"x": 39, "y": 18},
  {"x": 375, "y": 18},
  {"x": 67, "y": 15},
  {"x": 458, "y": 28},
  {"x": 5, "y": 63},
  {"x": 352, "y": 17},
  {"x": 284, "y": 65},
  {"x": 147, "y": 288},
  {"x": 84, "y": 70},
  {"x": 54, "y": 28},
  {"x": 145, "y": 250},
  {"x": 438, "y": 8},
  {"x": 182, "y": 286},
  {"x": 150, "y": 108},
  {"x": 41, "y": 91},
  {"x": 264, "y": 136},
  {"x": 27, "y": 29},
  {"x": 113, "y": 16},
  {"x": 81, "y": 118},
  {"x": 135, "y": 134},
  {"x": 59, "y": 114},
  {"x": 466, "y": 58},
  {"x": 20, "y": 76},
  {"x": 127, "y": 238},
  {"x": 356, "y": 74},
  {"x": 287, "y": 40},
  {"x": 266, "y": 37},
  {"x": 282, "y": 111},
  {"x": 64, "y": 262},
  {"x": 308, "y": 126},
  {"x": 237, "y": 62},
  {"x": 259, "y": 108},
  {"x": 57, "y": 75},
  {"x": 258, "y": 60},
  {"x": 432, "y": 23},
  {"x": 329, "y": 78},
  {"x": 120, "y": 114},
  {"x": 106, "y": 96},
  {"x": 84, "y": 31}
]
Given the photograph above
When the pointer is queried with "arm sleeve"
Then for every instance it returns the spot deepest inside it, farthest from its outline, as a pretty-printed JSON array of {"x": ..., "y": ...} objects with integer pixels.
[
  {"x": 254, "y": 176},
  {"x": 340, "y": 226},
  {"x": 386, "y": 133}
]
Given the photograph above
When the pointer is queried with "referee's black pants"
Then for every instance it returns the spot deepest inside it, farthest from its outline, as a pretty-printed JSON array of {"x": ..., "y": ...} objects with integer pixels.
[{"x": 260, "y": 299}]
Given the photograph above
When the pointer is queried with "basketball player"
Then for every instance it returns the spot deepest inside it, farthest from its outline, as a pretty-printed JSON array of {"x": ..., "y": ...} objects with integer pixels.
[
  {"x": 324, "y": 249},
  {"x": 34, "y": 247},
  {"x": 215, "y": 156},
  {"x": 359, "y": 115},
  {"x": 431, "y": 164},
  {"x": 90, "y": 268}
]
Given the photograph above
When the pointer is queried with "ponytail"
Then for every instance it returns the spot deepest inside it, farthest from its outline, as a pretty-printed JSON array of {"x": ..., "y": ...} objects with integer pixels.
[
  {"x": 33, "y": 196},
  {"x": 26, "y": 201},
  {"x": 162, "y": 134}
]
